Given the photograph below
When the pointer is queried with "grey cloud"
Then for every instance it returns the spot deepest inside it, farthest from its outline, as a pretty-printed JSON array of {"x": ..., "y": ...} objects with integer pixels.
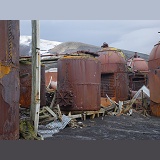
[{"x": 136, "y": 35}]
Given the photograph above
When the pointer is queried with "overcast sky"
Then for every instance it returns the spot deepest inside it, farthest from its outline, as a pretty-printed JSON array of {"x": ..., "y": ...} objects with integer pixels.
[{"x": 133, "y": 35}]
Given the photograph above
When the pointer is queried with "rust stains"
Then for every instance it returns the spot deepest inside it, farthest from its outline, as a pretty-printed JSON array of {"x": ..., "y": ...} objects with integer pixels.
[{"x": 4, "y": 70}]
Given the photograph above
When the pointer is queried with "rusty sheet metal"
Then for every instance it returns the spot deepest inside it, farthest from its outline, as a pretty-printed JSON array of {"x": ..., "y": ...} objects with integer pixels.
[
  {"x": 9, "y": 80},
  {"x": 122, "y": 89},
  {"x": 114, "y": 78},
  {"x": 26, "y": 85},
  {"x": 78, "y": 84}
]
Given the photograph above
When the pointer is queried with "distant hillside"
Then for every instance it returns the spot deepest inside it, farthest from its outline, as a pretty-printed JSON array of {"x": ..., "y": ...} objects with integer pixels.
[
  {"x": 68, "y": 47},
  {"x": 26, "y": 45},
  {"x": 129, "y": 54},
  {"x": 53, "y": 47}
]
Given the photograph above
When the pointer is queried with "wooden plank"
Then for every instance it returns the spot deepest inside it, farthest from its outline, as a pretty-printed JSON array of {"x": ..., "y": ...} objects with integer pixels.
[
  {"x": 51, "y": 112},
  {"x": 53, "y": 101},
  {"x": 75, "y": 116}
]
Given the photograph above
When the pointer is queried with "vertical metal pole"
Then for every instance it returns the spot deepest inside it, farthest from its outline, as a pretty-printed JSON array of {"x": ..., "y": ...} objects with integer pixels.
[{"x": 36, "y": 74}]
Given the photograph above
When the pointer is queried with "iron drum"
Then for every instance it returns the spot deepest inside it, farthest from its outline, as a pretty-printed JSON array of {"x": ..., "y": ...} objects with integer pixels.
[
  {"x": 78, "y": 84},
  {"x": 114, "y": 78}
]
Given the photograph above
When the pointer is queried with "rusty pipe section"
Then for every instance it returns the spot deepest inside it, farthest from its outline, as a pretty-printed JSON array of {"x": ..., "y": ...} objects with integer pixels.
[
  {"x": 78, "y": 84},
  {"x": 154, "y": 79},
  {"x": 9, "y": 79}
]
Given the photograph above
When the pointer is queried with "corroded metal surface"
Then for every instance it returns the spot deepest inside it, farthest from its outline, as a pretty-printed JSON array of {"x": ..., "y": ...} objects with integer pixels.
[
  {"x": 26, "y": 84},
  {"x": 154, "y": 78},
  {"x": 137, "y": 80},
  {"x": 114, "y": 78},
  {"x": 9, "y": 80},
  {"x": 78, "y": 83},
  {"x": 155, "y": 108},
  {"x": 112, "y": 60},
  {"x": 107, "y": 85}
]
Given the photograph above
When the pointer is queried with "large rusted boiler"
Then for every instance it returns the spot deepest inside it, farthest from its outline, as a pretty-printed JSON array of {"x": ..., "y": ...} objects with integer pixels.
[
  {"x": 78, "y": 85},
  {"x": 154, "y": 79},
  {"x": 137, "y": 72},
  {"x": 26, "y": 84},
  {"x": 9, "y": 80},
  {"x": 114, "y": 79}
]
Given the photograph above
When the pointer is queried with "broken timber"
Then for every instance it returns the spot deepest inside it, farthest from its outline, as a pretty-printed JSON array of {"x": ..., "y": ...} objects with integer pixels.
[{"x": 84, "y": 114}]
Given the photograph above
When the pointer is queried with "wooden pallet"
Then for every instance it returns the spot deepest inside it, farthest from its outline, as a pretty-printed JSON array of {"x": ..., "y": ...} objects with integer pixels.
[{"x": 84, "y": 114}]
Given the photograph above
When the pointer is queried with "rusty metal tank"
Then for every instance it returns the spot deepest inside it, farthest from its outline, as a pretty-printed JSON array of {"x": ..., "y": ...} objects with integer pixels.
[
  {"x": 78, "y": 85},
  {"x": 154, "y": 79},
  {"x": 138, "y": 64},
  {"x": 114, "y": 78},
  {"x": 9, "y": 80},
  {"x": 138, "y": 72},
  {"x": 26, "y": 84}
]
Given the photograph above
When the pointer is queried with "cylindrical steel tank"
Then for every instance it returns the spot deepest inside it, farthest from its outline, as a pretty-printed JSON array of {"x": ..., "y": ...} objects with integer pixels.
[
  {"x": 138, "y": 73},
  {"x": 78, "y": 85},
  {"x": 154, "y": 79},
  {"x": 9, "y": 80},
  {"x": 26, "y": 84},
  {"x": 114, "y": 78}
]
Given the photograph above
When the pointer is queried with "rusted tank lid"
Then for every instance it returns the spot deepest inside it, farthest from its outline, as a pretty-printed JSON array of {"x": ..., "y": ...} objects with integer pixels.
[
  {"x": 111, "y": 55},
  {"x": 155, "y": 53}
]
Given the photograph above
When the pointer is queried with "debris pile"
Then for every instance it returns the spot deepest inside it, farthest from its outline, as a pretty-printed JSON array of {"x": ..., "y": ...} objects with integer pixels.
[
  {"x": 53, "y": 127},
  {"x": 74, "y": 124},
  {"x": 139, "y": 103}
]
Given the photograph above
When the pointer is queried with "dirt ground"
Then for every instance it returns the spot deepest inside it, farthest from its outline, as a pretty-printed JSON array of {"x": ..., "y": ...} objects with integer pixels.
[{"x": 124, "y": 127}]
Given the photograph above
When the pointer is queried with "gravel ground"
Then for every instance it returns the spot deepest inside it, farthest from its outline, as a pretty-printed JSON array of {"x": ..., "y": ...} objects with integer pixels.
[{"x": 124, "y": 127}]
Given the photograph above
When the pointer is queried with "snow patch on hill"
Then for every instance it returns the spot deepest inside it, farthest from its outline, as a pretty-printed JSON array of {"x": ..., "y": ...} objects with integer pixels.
[{"x": 26, "y": 45}]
